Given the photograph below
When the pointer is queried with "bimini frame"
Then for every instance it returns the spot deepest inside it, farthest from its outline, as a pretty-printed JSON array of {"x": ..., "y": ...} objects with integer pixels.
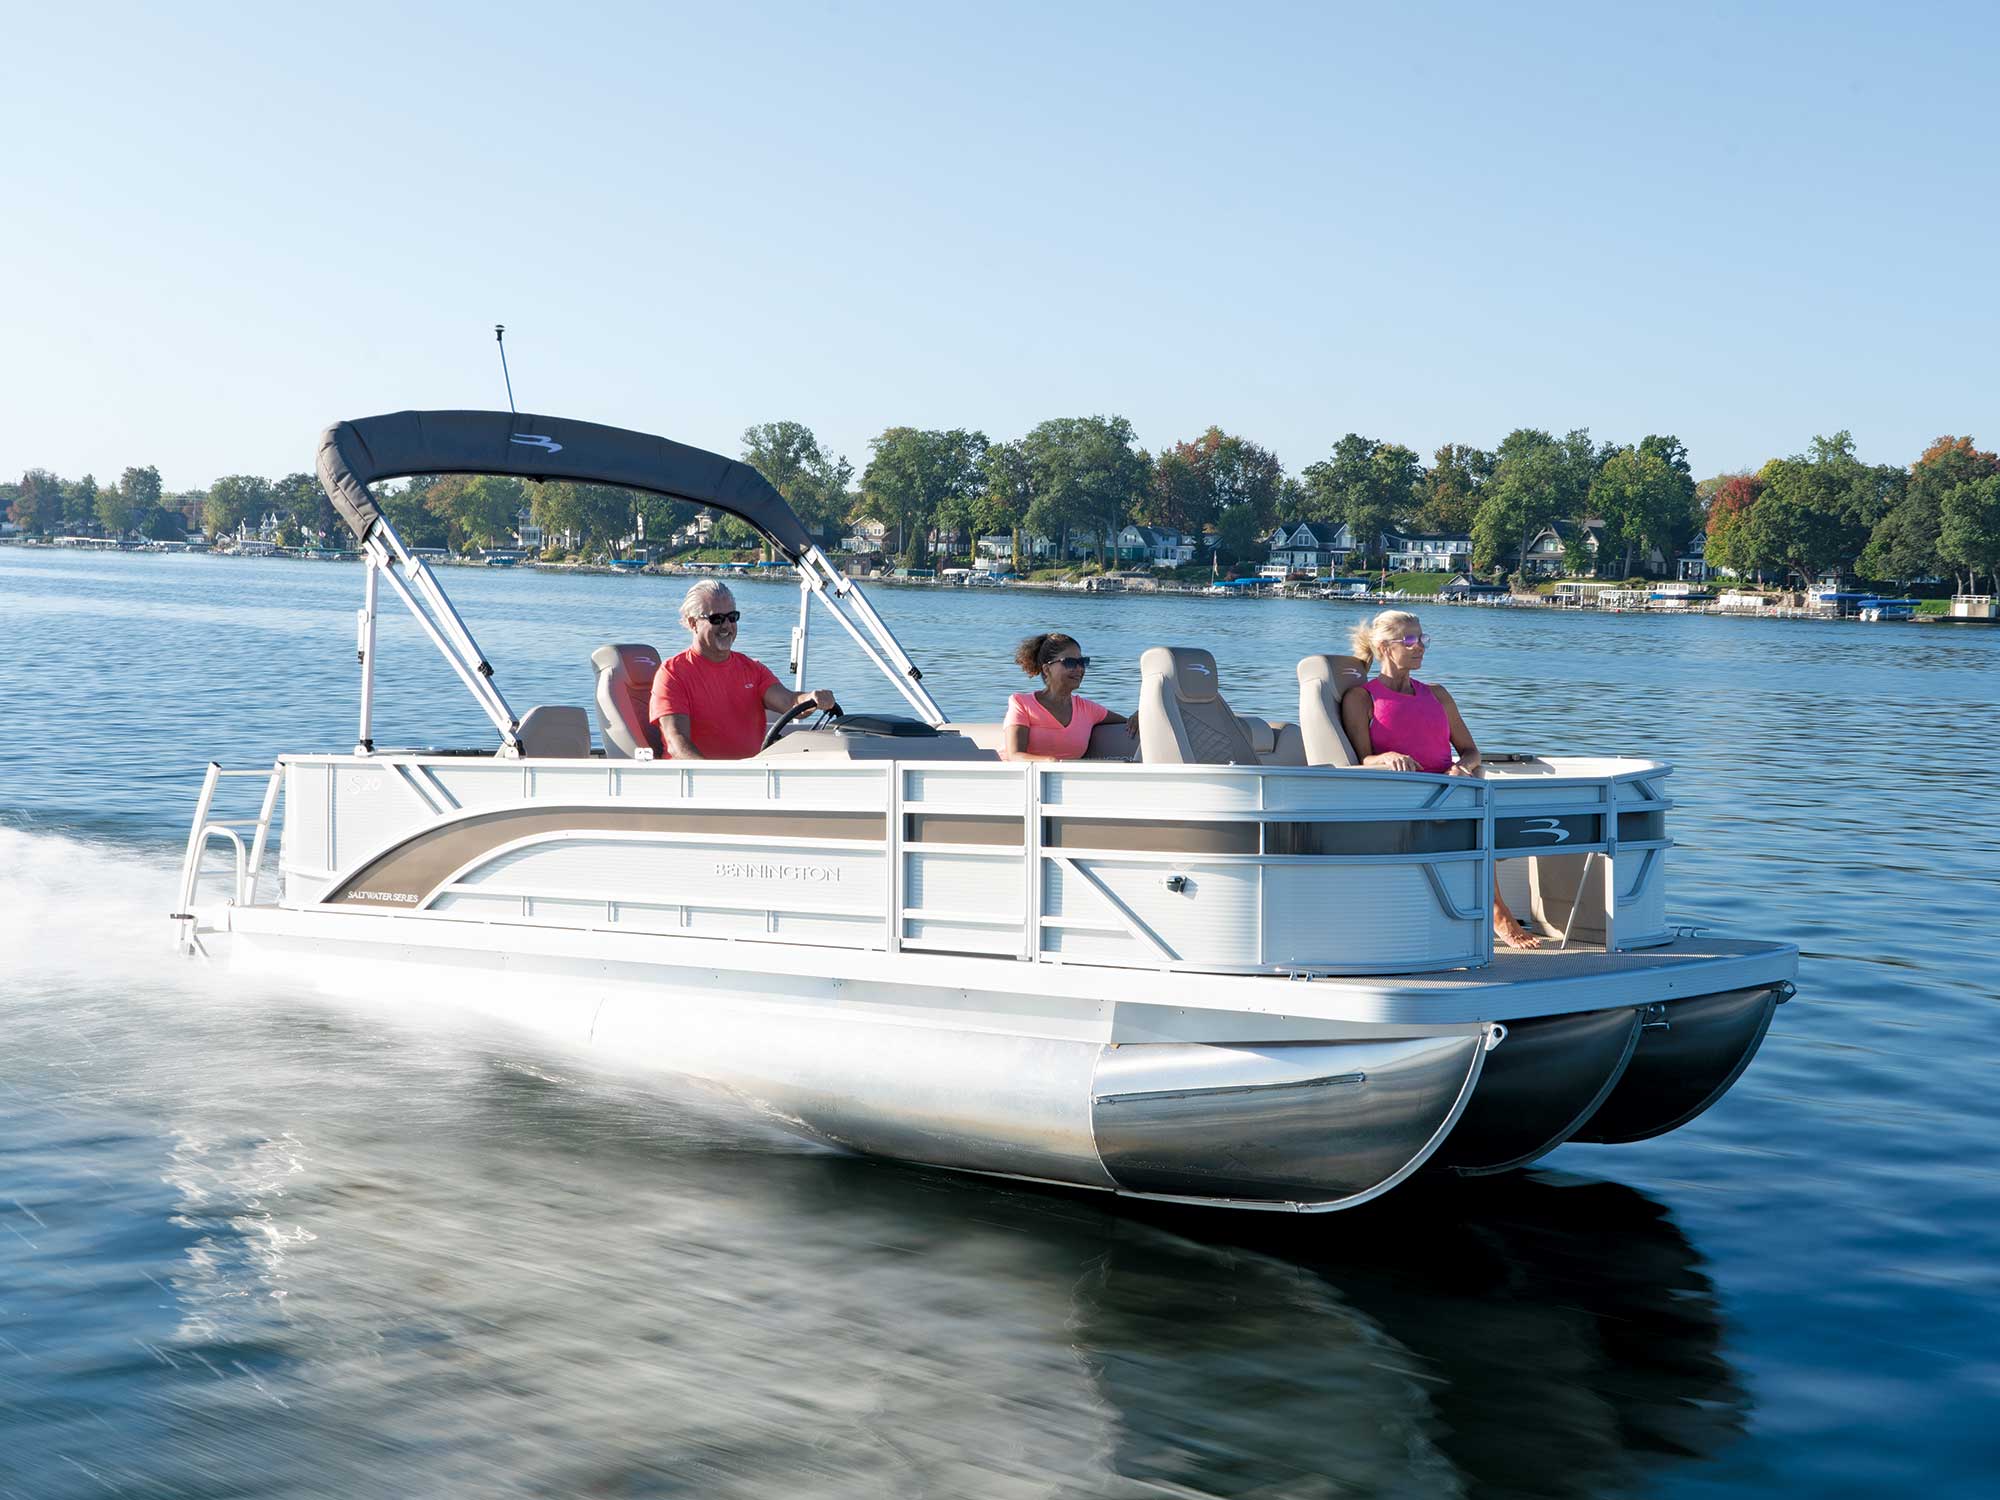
[{"x": 356, "y": 454}]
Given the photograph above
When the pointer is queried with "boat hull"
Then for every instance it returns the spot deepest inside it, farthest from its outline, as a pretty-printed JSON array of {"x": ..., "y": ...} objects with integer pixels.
[
  {"x": 1544, "y": 1085},
  {"x": 1223, "y": 1090},
  {"x": 1690, "y": 1054}
]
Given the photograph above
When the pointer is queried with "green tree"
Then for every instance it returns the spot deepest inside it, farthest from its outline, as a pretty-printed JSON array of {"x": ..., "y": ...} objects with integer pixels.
[
  {"x": 1085, "y": 472},
  {"x": 232, "y": 500},
  {"x": 813, "y": 484},
  {"x": 480, "y": 509},
  {"x": 117, "y": 512},
  {"x": 1644, "y": 496},
  {"x": 1452, "y": 487},
  {"x": 300, "y": 497},
  {"x": 79, "y": 504},
  {"x": 914, "y": 472},
  {"x": 164, "y": 524},
  {"x": 1819, "y": 509},
  {"x": 407, "y": 507},
  {"x": 1371, "y": 486},
  {"x": 1969, "y": 533},
  {"x": 1238, "y": 530},
  {"x": 1903, "y": 543},
  {"x": 594, "y": 515},
  {"x": 1537, "y": 480},
  {"x": 1192, "y": 483},
  {"x": 141, "y": 487},
  {"x": 37, "y": 503}
]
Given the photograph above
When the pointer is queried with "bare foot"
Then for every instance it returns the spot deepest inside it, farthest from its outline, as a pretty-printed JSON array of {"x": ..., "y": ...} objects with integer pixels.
[{"x": 1509, "y": 930}]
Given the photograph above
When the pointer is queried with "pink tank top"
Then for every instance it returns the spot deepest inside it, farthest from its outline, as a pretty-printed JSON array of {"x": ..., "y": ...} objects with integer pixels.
[{"x": 1412, "y": 724}]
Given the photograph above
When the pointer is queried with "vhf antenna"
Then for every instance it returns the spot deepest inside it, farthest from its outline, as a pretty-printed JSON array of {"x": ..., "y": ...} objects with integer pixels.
[{"x": 500, "y": 338}]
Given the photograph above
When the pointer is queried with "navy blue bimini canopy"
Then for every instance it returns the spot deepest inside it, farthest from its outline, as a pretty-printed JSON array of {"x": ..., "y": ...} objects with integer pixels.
[{"x": 355, "y": 454}]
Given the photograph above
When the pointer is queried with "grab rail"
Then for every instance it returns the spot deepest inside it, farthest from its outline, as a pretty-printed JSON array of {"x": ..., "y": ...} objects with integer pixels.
[{"x": 249, "y": 863}]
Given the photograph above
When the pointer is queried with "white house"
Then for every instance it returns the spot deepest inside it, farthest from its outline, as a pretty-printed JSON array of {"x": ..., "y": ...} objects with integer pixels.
[
  {"x": 1427, "y": 551},
  {"x": 1309, "y": 546},
  {"x": 867, "y": 536},
  {"x": 1692, "y": 565},
  {"x": 526, "y": 533},
  {"x": 1162, "y": 546}
]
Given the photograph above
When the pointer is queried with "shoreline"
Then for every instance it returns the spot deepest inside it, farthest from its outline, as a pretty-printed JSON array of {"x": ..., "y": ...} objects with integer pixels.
[{"x": 1149, "y": 590}]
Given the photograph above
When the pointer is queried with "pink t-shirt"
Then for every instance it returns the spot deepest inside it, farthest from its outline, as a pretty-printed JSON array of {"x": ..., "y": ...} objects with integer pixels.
[
  {"x": 1048, "y": 737},
  {"x": 723, "y": 700}
]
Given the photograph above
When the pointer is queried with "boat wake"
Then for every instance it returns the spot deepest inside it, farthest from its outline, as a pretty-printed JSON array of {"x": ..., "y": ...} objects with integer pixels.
[{"x": 86, "y": 913}]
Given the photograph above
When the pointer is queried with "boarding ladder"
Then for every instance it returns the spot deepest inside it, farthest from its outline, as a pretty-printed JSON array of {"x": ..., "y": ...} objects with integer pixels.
[{"x": 207, "y": 829}]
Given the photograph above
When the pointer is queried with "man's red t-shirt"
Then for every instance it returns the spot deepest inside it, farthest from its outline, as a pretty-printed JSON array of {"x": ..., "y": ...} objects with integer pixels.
[{"x": 723, "y": 700}]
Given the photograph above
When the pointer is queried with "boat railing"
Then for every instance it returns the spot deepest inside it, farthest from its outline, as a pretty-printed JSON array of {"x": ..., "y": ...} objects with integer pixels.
[
  {"x": 1228, "y": 869},
  {"x": 207, "y": 829}
]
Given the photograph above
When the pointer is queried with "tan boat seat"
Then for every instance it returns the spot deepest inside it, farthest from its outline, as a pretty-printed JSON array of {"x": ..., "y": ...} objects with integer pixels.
[
  {"x": 624, "y": 686},
  {"x": 1183, "y": 719},
  {"x": 1322, "y": 680},
  {"x": 1276, "y": 742},
  {"x": 555, "y": 732}
]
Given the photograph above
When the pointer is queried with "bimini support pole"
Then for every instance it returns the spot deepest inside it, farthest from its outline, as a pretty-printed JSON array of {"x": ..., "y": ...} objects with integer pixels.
[
  {"x": 890, "y": 660},
  {"x": 386, "y": 554},
  {"x": 800, "y": 632},
  {"x": 364, "y": 652}
]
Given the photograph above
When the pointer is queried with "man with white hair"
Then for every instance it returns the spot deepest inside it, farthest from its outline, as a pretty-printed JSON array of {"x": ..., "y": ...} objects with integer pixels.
[{"x": 709, "y": 702}]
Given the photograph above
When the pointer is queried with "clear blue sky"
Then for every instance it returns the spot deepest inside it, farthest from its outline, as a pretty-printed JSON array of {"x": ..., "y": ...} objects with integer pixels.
[{"x": 229, "y": 226}]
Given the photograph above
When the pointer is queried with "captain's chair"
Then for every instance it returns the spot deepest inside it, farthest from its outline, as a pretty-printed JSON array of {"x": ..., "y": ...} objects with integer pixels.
[
  {"x": 1182, "y": 718},
  {"x": 1322, "y": 681},
  {"x": 624, "y": 688}
]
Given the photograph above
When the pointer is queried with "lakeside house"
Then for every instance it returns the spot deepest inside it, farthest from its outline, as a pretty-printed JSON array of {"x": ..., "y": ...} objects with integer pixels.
[
  {"x": 1161, "y": 546},
  {"x": 1310, "y": 547},
  {"x": 1465, "y": 586},
  {"x": 1548, "y": 547},
  {"x": 1427, "y": 551}
]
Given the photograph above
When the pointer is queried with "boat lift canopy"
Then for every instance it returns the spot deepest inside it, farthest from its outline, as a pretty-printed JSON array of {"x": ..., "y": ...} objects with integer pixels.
[{"x": 358, "y": 453}]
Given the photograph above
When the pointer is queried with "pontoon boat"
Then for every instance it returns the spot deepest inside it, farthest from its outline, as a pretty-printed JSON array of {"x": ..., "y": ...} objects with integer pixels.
[{"x": 1235, "y": 969}]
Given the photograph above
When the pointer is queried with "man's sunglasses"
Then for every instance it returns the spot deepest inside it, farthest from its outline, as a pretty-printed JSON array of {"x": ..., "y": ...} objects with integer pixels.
[
  {"x": 727, "y": 617},
  {"x": 1075, "y": 663}
]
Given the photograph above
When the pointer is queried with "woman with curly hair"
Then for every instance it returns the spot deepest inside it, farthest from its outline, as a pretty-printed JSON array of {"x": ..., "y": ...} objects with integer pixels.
[{"x": 1054, "y": 721}]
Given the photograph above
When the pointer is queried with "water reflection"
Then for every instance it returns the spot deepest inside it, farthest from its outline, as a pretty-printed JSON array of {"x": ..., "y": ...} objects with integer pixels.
[{"x": 470, "y": 1267}]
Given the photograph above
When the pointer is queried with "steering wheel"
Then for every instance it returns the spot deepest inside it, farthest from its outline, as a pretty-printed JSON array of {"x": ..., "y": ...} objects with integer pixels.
[{"x": 784, "y": 721}]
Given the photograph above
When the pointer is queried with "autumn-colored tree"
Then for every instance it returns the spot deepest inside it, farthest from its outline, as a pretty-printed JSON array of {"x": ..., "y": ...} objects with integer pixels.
[
  {"x": 1903, "y": 543},
  {"x": 1192, "y": 483},
  {"x": 1733, "y": 494}
]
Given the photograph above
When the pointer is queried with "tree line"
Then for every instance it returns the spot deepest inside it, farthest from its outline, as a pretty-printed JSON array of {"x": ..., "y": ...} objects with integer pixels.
[{"x": 934, "y": 491}]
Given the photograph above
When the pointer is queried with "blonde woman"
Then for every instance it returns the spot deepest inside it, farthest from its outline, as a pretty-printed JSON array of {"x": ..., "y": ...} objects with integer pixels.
[{"x": 1397, "y": 723}]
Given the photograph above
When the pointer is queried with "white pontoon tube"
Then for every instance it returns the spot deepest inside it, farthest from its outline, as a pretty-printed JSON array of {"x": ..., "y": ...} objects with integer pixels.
[{"x": 356, "y": 454}]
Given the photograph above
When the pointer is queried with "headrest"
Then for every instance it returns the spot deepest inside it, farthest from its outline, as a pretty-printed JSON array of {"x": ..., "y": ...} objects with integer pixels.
[
  {"x": 625, "y": 677},
  {"x": 633, "y": 662},
  {"x": 1337, "y": 673},
  {"x": 1191, "y": 669}
]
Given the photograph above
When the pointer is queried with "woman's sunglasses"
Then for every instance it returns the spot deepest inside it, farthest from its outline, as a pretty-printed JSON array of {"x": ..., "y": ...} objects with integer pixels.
[
  {"x": 1415, "y": 640},
  {"x": 727, "y": 617},
  {"x": 1074, "y": 663}
]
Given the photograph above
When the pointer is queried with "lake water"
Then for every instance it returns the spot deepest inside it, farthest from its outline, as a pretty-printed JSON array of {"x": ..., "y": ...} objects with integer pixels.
[{"x": 256, "y": 1244}]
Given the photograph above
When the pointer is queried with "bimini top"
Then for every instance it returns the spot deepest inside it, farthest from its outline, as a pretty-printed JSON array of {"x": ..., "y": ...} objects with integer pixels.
[{"x": 357, "y": 453}]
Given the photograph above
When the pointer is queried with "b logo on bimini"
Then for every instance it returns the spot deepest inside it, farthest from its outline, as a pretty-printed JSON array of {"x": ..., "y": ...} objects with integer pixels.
[{"x": 535, "y": 440}]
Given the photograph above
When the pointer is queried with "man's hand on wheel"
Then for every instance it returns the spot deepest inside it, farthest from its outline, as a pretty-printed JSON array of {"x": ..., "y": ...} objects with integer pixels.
[{"x": 823, "y": 699}]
